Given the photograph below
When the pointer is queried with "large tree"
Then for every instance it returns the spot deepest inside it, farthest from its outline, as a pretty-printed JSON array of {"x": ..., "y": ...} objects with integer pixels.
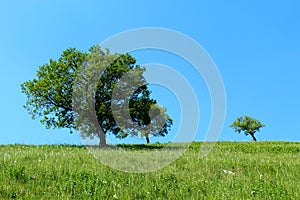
[
  {"x": 248, "y": 125},
  {"x": 76, "y": 92}
]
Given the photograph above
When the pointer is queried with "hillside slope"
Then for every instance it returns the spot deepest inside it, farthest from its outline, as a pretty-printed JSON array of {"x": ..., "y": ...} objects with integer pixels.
[{"x": 233, "y": 170}]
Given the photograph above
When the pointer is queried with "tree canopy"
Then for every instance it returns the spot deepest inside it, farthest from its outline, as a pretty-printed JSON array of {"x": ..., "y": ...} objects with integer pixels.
[
  {"x": 248, "y": 125},
  {"x": 76, "y": 92}
]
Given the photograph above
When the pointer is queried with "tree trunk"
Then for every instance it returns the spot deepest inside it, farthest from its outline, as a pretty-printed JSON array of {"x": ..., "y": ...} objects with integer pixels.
[
  {"x": 147, "y": 138},
  {"x": 102, "y": 137},
  {"x": 100, "y": 132},
  {"x": 252, "y": 135}
]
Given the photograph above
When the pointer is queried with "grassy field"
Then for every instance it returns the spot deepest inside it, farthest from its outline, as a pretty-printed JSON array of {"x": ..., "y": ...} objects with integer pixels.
[{"x": 233, "y": 170}]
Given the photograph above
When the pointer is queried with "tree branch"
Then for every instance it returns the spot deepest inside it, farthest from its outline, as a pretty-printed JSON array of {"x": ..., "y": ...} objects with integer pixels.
[{"x": 57, "y": 104}]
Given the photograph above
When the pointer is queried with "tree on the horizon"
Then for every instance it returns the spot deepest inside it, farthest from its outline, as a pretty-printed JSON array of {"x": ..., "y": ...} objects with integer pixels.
[
  {"x": 50, "y": 96},
  {"x": 154, "y": 119},
  {"x": 248, "y": 125}
]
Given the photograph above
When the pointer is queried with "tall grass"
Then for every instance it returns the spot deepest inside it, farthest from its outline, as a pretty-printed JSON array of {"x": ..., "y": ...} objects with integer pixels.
[{"x": 233, "y": 170}]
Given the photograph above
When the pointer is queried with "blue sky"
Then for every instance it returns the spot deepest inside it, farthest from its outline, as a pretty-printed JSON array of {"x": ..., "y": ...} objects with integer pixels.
[{"x": 255, "y": 44}]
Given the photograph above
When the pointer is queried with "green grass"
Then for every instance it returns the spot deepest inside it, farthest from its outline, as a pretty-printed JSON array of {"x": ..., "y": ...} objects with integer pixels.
[{"x": 262, "y": 170}]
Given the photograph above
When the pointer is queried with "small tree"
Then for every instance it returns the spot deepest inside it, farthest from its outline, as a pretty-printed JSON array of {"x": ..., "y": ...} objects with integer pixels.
[
  {"x": 156, "y": 123},
  {"x": 248, "y": 125}
]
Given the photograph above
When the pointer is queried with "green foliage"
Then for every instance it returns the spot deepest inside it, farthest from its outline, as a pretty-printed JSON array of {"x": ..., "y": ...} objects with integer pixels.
[
  {"x": 69, "y": 93},
  {"x": 70, "y": 172},
  {"x": 49, "y": 95},
  {"x": 153, "y": 117},
  {"x": 248, "y": 125}
]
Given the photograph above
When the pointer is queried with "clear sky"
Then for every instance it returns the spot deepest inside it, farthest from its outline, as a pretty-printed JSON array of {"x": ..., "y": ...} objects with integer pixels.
[{"x": 255, "y": 45}]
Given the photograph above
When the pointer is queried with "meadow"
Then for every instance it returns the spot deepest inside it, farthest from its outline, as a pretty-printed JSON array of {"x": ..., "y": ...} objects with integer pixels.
[{"x": 232, "y": 170}]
